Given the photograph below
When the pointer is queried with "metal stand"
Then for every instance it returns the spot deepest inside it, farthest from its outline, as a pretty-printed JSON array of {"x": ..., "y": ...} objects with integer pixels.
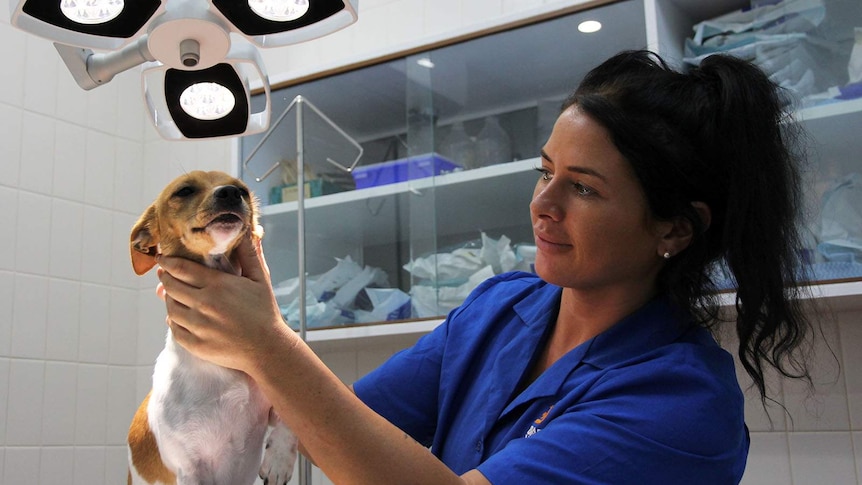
[{"x": 299, "y": 103}]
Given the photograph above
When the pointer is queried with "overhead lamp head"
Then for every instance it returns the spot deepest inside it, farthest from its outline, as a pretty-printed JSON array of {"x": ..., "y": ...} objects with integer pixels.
[
  {"x": 95, "y": 24},
  {"x": 272, "y": 23},
  {"x": 207, "y": 103},
  {"x": 183, "y": 43}
]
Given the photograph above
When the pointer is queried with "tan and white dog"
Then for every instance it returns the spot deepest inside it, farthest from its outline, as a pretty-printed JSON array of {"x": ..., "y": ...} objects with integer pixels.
[{"x": 201, "y": 423}]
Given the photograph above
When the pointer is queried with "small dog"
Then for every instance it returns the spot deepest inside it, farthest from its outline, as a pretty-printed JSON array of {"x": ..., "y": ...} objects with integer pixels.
[{"x": 201, "y": 423}]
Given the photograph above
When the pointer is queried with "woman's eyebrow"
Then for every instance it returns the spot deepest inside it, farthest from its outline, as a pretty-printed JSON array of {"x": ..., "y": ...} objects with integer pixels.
[{"x": 577, "y": 169}]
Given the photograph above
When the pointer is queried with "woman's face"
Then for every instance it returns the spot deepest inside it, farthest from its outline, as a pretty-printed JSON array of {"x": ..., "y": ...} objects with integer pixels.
[{"x": 591, "y": 222}]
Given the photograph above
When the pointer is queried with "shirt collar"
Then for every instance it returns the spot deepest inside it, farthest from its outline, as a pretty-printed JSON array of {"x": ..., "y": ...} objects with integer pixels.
[{"x": 654, "y": 325}]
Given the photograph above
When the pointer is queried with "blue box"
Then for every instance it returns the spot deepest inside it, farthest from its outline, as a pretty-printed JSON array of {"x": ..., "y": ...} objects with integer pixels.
[{"x": 419, "y": 166}]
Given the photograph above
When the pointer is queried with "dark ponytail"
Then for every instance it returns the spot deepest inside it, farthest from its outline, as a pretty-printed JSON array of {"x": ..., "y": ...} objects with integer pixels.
[{"x": 719, "y": 134}]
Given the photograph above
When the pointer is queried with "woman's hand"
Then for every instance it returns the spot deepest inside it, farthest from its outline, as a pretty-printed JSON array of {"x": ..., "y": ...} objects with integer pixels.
[{"x": 220, "y": 317}]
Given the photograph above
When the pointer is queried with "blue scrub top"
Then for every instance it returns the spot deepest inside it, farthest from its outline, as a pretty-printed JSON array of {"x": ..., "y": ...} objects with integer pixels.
[{"x": 652, "y": 400}]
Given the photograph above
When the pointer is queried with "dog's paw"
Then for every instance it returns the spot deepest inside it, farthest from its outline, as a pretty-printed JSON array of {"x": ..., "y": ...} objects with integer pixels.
[{"x": 279, "y": 457}]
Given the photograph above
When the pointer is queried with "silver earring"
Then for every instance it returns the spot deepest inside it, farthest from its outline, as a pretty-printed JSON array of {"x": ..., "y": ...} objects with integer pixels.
[{"x": 666, "y": 255}]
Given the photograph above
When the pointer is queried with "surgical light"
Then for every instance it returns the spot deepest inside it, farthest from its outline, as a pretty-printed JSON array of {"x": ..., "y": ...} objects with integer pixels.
[
  {"x": 186, "y": 48},
  {"x": 279, "y": 10},
  {"x": 91, "y": 11}
]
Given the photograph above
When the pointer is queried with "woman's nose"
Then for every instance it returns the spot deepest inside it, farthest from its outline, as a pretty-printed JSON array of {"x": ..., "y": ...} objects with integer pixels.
[{"x": 545, "y": 203}]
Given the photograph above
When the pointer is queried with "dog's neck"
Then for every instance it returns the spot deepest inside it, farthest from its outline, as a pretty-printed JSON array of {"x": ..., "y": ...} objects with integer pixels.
[{"x": 221, "y": 262}]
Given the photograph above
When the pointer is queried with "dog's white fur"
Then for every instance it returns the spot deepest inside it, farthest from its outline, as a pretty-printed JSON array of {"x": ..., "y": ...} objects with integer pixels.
[{"x": 201, "y": 423}]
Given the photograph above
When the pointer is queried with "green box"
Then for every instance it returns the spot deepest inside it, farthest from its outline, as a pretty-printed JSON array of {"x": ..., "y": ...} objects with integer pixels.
[{"x": 313, "y": 188}]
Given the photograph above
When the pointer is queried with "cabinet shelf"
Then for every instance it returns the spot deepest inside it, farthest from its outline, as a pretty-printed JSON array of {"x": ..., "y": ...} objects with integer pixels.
[{"x": 838, "y": 297}]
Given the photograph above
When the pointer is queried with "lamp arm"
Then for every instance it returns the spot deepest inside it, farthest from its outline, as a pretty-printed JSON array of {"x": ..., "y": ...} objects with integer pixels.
[{"x": 91, "y": 70}]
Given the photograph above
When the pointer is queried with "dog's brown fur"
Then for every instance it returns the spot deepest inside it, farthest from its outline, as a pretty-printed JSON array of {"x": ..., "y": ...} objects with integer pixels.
[{"x": 175, "y": 225}]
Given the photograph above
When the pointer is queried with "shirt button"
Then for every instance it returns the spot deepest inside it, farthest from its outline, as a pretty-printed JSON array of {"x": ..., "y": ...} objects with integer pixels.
[{"x": 478, "y": 447}]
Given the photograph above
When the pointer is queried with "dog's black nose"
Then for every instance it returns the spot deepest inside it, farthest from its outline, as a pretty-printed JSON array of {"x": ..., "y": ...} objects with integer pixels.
[{"x": 228, "y": 192}]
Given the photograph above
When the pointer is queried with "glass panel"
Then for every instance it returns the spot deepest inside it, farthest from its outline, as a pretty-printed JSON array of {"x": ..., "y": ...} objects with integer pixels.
[
  {"x": 814, "y": 49},
  {"x": 438, "y": 130}
]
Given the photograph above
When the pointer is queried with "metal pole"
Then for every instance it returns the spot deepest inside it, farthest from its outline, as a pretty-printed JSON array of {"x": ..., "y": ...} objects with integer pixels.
[{"x": 304, "y": 464}]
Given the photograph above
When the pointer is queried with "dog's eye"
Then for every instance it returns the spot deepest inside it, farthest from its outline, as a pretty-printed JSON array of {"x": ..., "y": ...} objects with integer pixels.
[{"x": 184, "y": 192}]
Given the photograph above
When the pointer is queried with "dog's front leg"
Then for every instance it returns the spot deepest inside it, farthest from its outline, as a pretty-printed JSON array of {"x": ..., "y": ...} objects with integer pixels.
[{"x": 279, "y": 457}]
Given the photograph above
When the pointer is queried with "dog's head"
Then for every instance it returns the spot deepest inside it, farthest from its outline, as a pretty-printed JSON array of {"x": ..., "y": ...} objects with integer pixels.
[{"x": 199, "y": 216}]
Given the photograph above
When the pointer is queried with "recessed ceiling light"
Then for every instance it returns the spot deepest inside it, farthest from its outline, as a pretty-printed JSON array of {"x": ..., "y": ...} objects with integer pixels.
[
  {"x": 590, "y": 26},
  {"x": 425, "y": 62}
]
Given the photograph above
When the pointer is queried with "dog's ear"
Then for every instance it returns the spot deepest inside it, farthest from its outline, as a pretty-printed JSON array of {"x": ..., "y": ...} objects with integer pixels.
[{"x": 144, "y": 241}]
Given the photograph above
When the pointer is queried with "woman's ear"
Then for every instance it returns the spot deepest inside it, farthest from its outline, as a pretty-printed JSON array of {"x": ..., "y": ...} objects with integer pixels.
[
  {"x": 704, "y": 213},
  {"x": 680, "y": 231}
]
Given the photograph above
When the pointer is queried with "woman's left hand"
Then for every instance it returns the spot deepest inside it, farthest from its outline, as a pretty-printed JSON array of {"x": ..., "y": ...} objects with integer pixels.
[{"x": 220, "y": 317}]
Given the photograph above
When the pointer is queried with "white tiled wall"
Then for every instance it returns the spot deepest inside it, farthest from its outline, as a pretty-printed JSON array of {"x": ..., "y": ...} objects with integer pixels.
[{"x": 79, "y": 332}]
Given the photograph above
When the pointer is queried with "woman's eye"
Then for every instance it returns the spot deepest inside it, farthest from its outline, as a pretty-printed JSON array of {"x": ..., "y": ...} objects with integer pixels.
[
  {"x": 544, "y": 174},
  {"x": 582, "y": 189}
]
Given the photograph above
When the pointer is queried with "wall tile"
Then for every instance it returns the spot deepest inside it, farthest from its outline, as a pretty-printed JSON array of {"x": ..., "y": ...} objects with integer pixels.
[
  {"x": 516, "y": 6},
  {"x": 122, "y": 403},
  {"x": 404, "y": 25},
  {"x": 93, "y": 340},
  {"x": 40, "y": 75},
  {"x": 369, "y": 35},
  {"x": 72, "y": 100},
  {"x": 122, "y": 273},
  {"x": 477, "y": 11},
  {"x": 29, "y": 317},
  {"x": 8, "y": 218},
  {"x": 128, "y": 172},
  {"x": 4, "y": 397},
  {"x": 24, "y": 412},
  {"x": 89, "y": 465},
  {"x": 342, "y": 363},
  {"x": 851, "y": 341},
  {"x": 116, "y": 464},
  {"x": 37, "y": 153},
  {"x": 144, "y": 382},
  {"x": 102, "y": 108},
  {"x": 97, "y": 246},
  {"x": 91, "y": 405},
  {"x": 216, "y": 155},
  {"x": 7, "y": 306},
  {"x": 67, "y": 234},
  {"x": 768, "y": 460},
  {"x": 22, "y": 465},
  {"x": 818, "y": 458},
  {"x": 70, "y": 155},
  {"x": 99, "y": 170},
  {"x": 58, "y": 411},
  {"x": 131, "y": 108},
  {"x": 33, "y": 228},
  {"x": 64, "y": 313},
  {"x": 57, "y": 464},
  {"x": 442, "y": 16},
  {"x": 151, "y": 326},
  {"x": 122, "y": 327},
  {"x": 758, "y": 417},
  {"x": 826, "y": 408},
  {"x": 12, "y": 87},
  {"x": 10, "y": 142}
]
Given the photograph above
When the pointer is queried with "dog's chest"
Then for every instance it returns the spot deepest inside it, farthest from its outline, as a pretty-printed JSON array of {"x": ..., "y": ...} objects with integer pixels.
[{"x": 207, "y": 411}]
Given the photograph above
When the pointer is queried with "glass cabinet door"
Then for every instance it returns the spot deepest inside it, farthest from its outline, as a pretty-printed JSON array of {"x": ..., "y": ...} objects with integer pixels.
[{"x": 439, "y": 200}]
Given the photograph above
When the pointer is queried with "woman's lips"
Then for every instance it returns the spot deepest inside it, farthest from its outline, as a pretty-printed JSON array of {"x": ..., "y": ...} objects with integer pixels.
[{"x": 546, "y": 243}]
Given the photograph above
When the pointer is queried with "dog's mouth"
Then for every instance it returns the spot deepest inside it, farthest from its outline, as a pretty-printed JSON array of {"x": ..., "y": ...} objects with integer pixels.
[{"x": 223, "y": 222}]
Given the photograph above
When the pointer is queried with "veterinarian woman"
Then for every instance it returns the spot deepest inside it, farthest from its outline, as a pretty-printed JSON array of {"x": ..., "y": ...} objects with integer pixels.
[{"x": 600, "y": 369}]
